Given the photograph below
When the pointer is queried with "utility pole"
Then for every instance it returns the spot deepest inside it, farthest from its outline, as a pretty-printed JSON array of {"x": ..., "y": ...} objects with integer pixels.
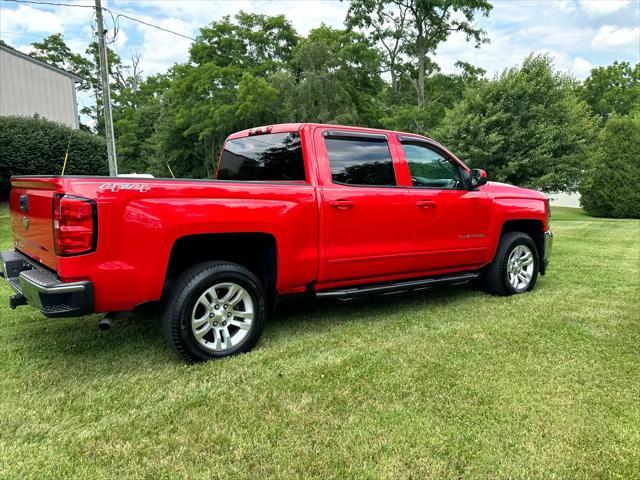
[{"x": 106, "y": 94}]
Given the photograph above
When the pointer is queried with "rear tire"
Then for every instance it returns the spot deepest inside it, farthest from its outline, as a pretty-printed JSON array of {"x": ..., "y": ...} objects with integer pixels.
[
  {"x": 515, "y": 266},
  {"x": 214, "y": 310}
]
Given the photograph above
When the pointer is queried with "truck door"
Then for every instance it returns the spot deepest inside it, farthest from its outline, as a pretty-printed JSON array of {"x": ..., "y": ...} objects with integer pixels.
[
  {"x": 365, "y": 217},
  {"x": 451, "y": 222}
]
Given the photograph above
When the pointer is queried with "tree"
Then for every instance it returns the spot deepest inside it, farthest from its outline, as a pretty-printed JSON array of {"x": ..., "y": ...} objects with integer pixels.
[
  {"x": 135, "y": 125},
  {"x": 443, "y": 91},
  {"x": 259, "y": 43},
  {"x": 613, "y": 89},
  {"x": 526, "y": 127},
  {"x": 224, "y": 87},
  {"x": 409, "y": 31},
  {"x": 337, "y": 78},
  {"x": 54, "y": 50},
  {"x": 608, "y": 189},
  {"x": 386, "y": 29}
]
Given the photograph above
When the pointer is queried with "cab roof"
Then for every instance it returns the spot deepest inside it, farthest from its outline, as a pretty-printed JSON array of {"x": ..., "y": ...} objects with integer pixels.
[{"x": 296, "y": 127}]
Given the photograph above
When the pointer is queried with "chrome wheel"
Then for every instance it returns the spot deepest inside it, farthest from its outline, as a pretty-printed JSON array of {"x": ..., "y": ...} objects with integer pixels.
[
  {"x": 222, "y": 317},
  {"x": 520, "y": 268}
]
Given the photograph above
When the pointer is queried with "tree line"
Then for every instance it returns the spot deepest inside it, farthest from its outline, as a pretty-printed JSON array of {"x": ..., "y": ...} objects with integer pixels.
[{"x": 530, "y": 125}]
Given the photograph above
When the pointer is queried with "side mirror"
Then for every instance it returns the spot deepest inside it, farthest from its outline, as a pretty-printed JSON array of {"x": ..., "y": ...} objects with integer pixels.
[{"x": 478, "y": 177}]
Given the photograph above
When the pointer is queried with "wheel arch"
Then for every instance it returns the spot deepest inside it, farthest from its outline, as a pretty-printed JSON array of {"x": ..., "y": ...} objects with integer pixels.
[
  {"x": 532, "y": 227},
  {"x": 256, "y": 251}
]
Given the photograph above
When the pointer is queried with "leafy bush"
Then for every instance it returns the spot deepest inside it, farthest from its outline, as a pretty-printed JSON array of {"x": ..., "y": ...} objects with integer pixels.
[
  {"x": 31, "y": 146},
  {"x": 527, "y": 127},
  {"x": 610, "y": 187}
]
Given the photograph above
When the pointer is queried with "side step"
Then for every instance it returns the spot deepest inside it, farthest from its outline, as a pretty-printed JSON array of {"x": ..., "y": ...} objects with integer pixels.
[{"x": 400, "y": 287}]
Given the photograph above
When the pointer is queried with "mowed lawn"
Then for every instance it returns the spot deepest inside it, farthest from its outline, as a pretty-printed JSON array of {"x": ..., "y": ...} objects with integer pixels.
[{"x": 451, "y": 384}]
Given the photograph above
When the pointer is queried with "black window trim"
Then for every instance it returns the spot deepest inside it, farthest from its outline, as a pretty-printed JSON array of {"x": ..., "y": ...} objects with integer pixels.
[
  {"x": 346, "y": 134},
  {"x": 351, "y": 135},
  {"x": 404, "y": 140}
]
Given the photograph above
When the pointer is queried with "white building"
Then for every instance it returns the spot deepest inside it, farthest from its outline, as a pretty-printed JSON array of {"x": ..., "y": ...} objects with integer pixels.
[
  {"x": 30, "y": 87},
  {"x": 562, "y": 199}
]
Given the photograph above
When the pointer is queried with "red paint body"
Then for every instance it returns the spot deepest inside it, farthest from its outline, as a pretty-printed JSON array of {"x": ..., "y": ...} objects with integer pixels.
[{"x": 327, "y": 235}]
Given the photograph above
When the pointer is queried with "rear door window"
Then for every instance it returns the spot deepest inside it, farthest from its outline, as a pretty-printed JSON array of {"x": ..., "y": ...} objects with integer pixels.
[
  {"x": 269, "y": 157},
  {"x": 360, "y": 161}
]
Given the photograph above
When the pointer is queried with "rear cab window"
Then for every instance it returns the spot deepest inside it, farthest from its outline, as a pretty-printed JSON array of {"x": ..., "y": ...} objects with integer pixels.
[
  {"x": 360, "y": 160},
  {"x": 272, "y": 157}
]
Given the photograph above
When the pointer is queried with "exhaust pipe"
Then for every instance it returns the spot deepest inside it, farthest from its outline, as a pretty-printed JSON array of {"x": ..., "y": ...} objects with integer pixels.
[{"x": 106, "y": 323}]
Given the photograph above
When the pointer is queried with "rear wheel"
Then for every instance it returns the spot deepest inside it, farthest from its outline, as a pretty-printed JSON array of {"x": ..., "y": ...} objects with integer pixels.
[
  {"x": 515, "y": 266},
  {"x": 215, "y": 310}
]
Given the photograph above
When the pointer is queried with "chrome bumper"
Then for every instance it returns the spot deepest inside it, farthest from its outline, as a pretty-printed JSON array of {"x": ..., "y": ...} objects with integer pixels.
[
  {"x": 42, "y": 289},
  {"x": 548, "y": 246}
]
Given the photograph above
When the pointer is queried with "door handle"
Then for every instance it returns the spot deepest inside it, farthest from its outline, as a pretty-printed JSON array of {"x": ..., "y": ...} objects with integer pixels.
[
  {"x": 426, "y": 204},
  {"x": 342, "y": 204}
]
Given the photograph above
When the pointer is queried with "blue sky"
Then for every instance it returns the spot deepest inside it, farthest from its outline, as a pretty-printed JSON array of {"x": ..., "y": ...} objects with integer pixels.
[{"x": 579, "y": 34}]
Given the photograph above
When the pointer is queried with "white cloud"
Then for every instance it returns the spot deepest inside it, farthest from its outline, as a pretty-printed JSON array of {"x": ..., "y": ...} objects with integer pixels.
[
  {"x": 25, "y": 49},
  {"x": 610, "y": 37},
  {"x": 78, "y": 44},
  {"x": 304, "y": 15},
  {"x": 29, "y": 19},
  {"x": 160, "y": 50},
  {"x": 549, "y": 35},
  {"x": 596, "y": 8},
  {"x": 576, "y": 33},
  {"x": 581, "y": 68},
  {"x": 578, "y": 67},
  {"x": 121, "y": 39},
  {"x": 508, "y": 49},
  {"x": 567, "y": 6},
  {"x": 44, "y": 20}
]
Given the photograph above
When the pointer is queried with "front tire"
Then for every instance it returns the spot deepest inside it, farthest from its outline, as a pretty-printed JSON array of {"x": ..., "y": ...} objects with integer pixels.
[
  {"x": 515, "y": 266},
  {"x": 215, "y": 310}
]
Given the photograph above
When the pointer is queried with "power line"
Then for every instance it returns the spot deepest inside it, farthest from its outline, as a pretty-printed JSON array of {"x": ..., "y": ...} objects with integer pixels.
[
  {"x": 111, "y": 12},
  {"x": 50, "y": 3},
  {"x": 21, "y": 34},
  {"x": 152, "y": 25}
]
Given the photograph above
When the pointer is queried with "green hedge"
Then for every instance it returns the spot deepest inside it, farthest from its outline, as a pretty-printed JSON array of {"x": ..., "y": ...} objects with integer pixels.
[
  {"x": 30, "y": 146},
  {"x": 610, "y": 187}
]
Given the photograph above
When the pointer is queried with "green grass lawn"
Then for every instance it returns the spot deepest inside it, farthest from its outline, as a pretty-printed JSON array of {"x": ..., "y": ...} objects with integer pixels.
[{"x": 452, "y": 384}]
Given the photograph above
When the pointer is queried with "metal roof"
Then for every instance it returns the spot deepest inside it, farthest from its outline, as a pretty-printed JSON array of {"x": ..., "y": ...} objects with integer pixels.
[{"x": 29, "y": 58}]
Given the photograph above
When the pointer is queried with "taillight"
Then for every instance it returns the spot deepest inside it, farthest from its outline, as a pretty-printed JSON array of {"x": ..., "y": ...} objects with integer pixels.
[{"x": 74, "y": 224}]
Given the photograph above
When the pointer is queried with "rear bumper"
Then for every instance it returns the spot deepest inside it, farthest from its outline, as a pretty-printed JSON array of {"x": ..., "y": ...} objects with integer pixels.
[
  {"x": 548, "y": 246},
  {"x": 42, "y": 289}
]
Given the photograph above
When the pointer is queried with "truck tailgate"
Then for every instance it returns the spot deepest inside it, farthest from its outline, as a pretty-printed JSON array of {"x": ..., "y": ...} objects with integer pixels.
[{"x": 31, "y": 206}]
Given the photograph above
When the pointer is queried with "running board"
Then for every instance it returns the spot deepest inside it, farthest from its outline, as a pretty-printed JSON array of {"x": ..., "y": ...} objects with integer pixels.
[{"x": 399, "y": 287}]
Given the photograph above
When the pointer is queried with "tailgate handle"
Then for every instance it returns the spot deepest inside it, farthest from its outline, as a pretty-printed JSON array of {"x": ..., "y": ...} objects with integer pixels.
[{"x": 24, "y": 203}]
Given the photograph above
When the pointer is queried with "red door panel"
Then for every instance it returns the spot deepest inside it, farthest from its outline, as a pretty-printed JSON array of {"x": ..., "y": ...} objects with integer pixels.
[
  {"x": 367, "y": 232},
  {"x": 451, "y": 228}
]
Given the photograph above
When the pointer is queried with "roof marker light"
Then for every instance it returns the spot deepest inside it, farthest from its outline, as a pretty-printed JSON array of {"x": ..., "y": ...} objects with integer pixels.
[{"x": 260, "y": 131}]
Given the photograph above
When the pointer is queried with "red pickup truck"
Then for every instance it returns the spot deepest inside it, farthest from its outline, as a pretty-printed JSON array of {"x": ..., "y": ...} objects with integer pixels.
[{"x": 322, "y": 210}]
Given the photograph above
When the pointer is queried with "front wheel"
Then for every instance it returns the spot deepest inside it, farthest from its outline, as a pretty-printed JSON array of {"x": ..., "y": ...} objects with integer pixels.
[
  {"x": 515, "y": 266},
  {"x": 215, "y": 310}
]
